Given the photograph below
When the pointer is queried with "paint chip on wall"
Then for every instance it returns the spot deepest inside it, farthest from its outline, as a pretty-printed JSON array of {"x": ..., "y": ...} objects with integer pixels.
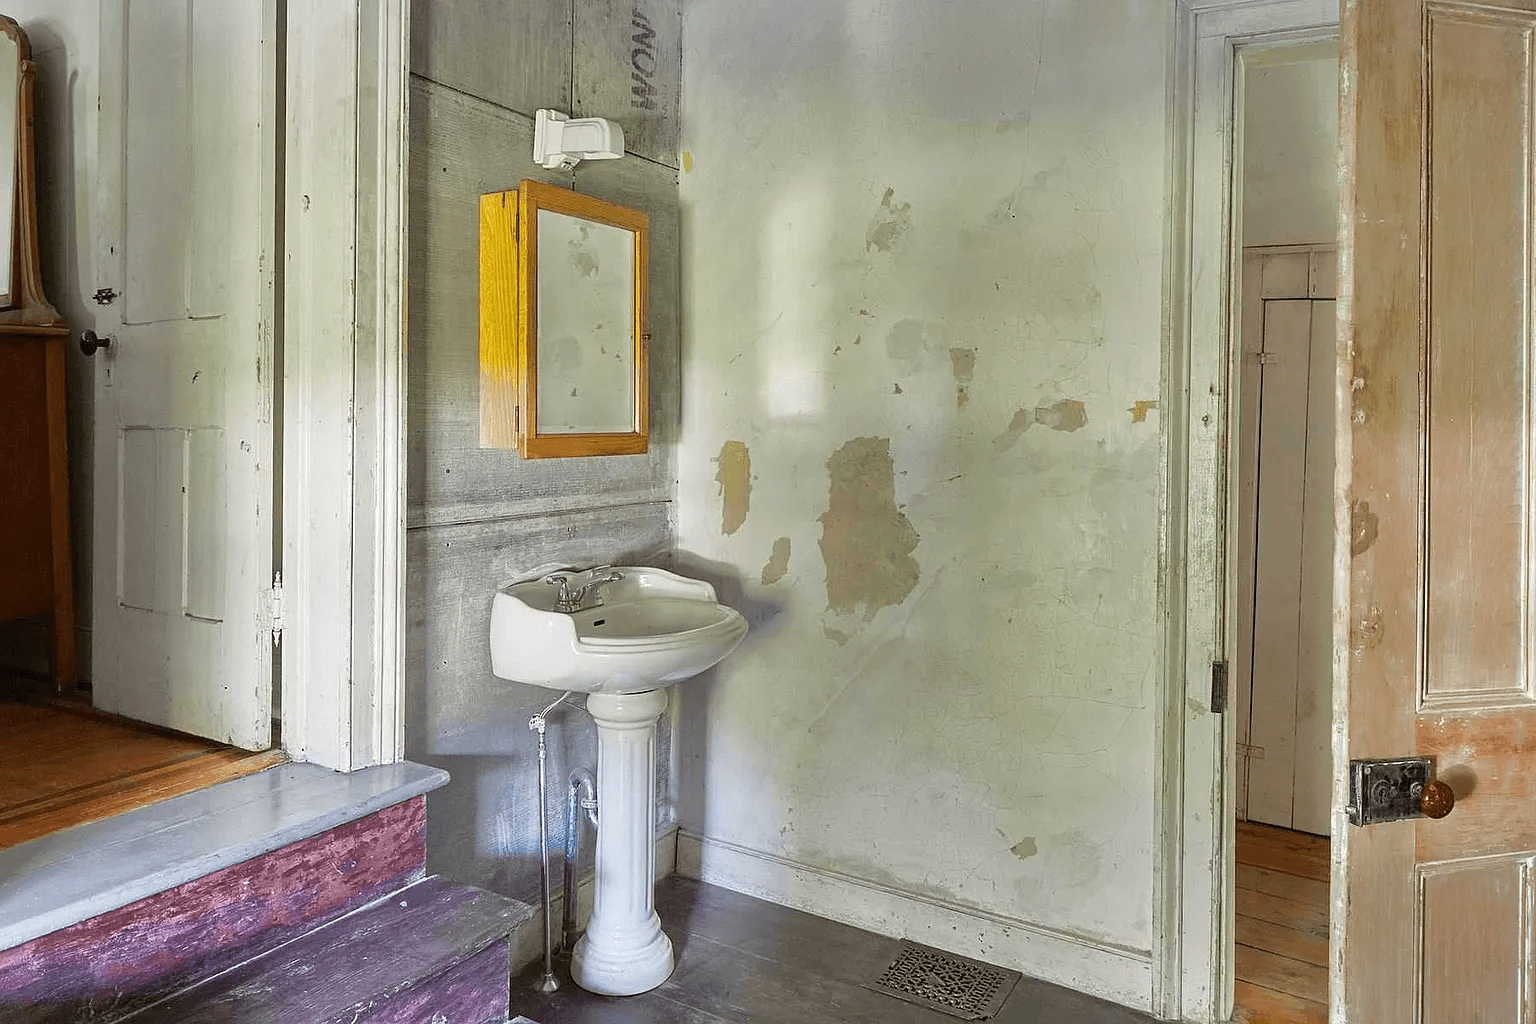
[
  {"x": 866, "y": 541},
  {"x": 778, "y": 562},
  {"x": 735, "y": 479},
  {"x": 1025, "y": 848},
  {"x": 687, "y": 161},
  {"x": 1066, "y": 415},
  {"x": 1141, "y": 408},
  {"x": 889, "y": 225},
  {"x": 962, "y": 362}
]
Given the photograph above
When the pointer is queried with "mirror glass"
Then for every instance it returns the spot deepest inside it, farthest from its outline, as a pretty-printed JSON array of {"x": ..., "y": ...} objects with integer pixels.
[
  {"x": 10, "y": 97},
  {"x": 586, "y": 326}
]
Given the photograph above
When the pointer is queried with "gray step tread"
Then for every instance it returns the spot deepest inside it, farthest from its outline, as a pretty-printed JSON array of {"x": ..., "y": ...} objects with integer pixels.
[{"x": 354, "y": 964}]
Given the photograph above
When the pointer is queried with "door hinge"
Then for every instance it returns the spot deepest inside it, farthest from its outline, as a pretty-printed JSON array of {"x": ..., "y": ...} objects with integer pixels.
[
  {"x": 275, "y": 609},
  {"x": 1218, "y": 687}
]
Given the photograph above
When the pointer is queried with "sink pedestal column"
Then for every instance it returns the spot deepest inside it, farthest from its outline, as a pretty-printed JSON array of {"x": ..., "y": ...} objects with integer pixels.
[{"x": 624, "y": 951}]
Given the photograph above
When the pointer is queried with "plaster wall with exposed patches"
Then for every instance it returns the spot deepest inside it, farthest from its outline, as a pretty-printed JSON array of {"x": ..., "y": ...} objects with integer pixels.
[{"x": 922, "y": 280}]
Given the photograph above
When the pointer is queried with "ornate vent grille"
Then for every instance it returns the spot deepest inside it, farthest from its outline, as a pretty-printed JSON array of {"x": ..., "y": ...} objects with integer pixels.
[{"x": 955, "y": 985}]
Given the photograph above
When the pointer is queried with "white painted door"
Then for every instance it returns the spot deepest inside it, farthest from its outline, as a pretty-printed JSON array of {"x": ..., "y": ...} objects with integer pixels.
[
  {"x": 1433, "y": 918},
  {"x": 184, "y": 417},
  {"x": 1285, "y": 639}
]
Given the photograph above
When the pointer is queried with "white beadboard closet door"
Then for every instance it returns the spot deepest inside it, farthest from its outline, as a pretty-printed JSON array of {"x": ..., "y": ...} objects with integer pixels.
[
  {"x": 184, "y": 417},
  {"x": 1285, "y": 676}
]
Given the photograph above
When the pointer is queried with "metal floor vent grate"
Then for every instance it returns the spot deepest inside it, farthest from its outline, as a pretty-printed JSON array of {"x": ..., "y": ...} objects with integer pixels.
[{"x": 956, "y": 985}]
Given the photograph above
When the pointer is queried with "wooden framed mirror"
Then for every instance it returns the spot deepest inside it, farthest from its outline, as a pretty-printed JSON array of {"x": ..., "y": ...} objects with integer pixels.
[
  {"x": 21, "y": 284},
  {"x": 563, "y": 337}
]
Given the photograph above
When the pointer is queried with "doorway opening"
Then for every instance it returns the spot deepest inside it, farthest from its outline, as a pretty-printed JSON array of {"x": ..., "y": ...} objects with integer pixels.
[
  {"x": 1286, "y": 213},
  {"x": 124, "y": 427}
]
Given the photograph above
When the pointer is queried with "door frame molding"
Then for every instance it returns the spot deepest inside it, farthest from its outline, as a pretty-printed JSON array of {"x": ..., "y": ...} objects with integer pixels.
[
  {"x": 343, "y": 382},
  {"x": 1193, "y": 869}
]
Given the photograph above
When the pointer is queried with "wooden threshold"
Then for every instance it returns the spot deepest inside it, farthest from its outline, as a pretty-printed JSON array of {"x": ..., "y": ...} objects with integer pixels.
[
  {"x": 1282, "y": 926},
  {"x": 63, "y": 764}
]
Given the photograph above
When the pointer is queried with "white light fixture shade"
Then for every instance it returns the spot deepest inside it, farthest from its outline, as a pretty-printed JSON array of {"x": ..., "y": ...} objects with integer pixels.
[{"x": 560, "y": 142}]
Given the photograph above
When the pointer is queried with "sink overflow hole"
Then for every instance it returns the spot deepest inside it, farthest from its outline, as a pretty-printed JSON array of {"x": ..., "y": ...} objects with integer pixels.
[{"x": 599, "y": 622}]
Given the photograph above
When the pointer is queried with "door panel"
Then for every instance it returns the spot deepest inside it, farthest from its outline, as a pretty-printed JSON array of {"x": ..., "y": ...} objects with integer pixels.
[
  {"x": 1278, "y": 585},
  {"x": 1290, "y": 767},
  {"x": 1433, "y": 919},
  {"x": 184, "y": 434}
]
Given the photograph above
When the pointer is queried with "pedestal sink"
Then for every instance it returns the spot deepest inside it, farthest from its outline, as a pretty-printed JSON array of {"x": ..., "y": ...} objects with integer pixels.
[{"x": 619, "y": 641}]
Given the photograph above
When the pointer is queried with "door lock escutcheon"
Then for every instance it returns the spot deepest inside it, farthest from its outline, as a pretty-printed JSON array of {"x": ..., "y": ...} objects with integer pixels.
[{"x": 1394, "y": 789}]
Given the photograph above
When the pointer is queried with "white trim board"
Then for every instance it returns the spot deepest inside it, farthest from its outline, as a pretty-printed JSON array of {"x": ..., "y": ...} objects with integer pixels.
[
  {"x": 1079, "y": 962},
  {"x": 343, "y": 547},
  {"x": 1193, "y": 871}
]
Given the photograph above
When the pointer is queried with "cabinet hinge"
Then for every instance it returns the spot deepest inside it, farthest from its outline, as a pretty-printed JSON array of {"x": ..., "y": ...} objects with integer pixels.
[
  {"x": 105, "y": 296},
  {"x": 275, "y": 610},
  {"x": 1218, "y": 687}
]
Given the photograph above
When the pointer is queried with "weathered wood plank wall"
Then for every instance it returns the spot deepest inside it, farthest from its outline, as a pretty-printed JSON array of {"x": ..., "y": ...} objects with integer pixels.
[{"x": 478, "y": 517}]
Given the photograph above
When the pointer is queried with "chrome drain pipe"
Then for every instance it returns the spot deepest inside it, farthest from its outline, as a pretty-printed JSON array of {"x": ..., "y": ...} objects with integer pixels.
[
  {"x": 582, "y": 796},
  {"x": 547, "y": 982}
]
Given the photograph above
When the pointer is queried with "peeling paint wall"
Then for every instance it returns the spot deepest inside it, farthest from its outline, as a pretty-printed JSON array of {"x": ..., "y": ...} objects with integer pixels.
[{"x": 922, "y": 285}]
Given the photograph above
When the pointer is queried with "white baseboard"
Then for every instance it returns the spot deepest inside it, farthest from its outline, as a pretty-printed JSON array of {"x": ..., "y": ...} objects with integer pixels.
[
  {"x": 1079, "y": 962},
  {"x": 528, "y": 940}
]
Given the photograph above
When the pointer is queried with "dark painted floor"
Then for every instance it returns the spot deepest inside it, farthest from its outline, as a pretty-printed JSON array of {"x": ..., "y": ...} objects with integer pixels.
[{"x": 745, "y": 961}]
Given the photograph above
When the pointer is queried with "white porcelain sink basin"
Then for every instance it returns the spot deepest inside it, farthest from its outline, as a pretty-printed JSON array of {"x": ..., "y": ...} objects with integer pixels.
[{"x": 651, "y": 629}]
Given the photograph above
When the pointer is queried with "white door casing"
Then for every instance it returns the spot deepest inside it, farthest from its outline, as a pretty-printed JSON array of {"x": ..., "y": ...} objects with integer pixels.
[
  {"x": 184, "y": 430},
  {"x": 1193, "y": 922}
]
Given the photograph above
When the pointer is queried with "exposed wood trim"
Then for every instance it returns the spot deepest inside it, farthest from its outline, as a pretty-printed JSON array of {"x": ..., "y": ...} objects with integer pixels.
[
  {"x": 344, "y": 383},
  {"x": 1193, "y": 870}
]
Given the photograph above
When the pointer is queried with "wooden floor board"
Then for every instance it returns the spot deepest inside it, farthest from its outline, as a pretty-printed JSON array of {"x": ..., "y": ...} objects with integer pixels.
[
  {"x": 742, "y": 960},
  {"x": 1279, "y": 849},
  {"x": 1308, "y": 947},
  {"x": 63, "y": 765},
  {"x": 1282, "y": 926},
  {"x": 1256, "y": 1005},
  {"x": 1306, "y": 891}
]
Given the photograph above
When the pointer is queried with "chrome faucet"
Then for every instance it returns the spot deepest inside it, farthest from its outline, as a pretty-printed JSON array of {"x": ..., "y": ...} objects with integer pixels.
[{"x": 570, "y": 598}]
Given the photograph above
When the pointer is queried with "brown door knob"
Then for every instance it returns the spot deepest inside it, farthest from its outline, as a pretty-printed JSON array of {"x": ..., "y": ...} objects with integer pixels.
[
  {"x": 91, "y": 343},
  {"x": 1436, "y": 799}
]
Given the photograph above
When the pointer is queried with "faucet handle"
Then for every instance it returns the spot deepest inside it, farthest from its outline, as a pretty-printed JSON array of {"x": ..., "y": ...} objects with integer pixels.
[{"x": 562, "y": 582}]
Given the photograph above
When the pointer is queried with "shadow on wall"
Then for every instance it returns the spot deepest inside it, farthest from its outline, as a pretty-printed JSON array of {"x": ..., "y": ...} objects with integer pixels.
[{"x": 691, "y": 703}]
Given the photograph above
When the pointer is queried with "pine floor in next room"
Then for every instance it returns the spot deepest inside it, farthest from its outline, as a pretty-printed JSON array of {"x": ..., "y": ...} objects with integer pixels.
[
  {"x": 1282, "y": 926},
  {"x": 746, "y": 961},
  {"x": 63, "y": 764}
]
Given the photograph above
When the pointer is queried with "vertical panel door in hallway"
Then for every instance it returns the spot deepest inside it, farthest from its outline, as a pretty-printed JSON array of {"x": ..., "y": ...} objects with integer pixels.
[
  {"x": 1434, "y": 642},
  {"x": 184, "y": 416},
  {"x": 1285, "y": 677}
]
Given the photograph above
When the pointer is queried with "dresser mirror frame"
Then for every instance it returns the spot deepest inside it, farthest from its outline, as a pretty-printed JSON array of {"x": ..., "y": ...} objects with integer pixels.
[{"x": 24, "y": 305}]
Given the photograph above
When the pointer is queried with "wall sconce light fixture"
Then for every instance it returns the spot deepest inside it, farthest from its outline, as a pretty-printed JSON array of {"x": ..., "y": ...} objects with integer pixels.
[{"x": 561, "y": 142}]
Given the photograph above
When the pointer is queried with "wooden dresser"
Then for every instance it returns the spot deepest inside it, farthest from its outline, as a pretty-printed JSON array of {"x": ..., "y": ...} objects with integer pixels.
[{"x": 36, "y": 571}]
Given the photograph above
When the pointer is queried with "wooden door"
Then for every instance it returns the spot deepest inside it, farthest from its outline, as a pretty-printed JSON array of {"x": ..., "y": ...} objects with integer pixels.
[
  {"x": 184, "y": 418},
  {"x": 1284, "y": 672},
  {"x": 1433, "y": 918}
]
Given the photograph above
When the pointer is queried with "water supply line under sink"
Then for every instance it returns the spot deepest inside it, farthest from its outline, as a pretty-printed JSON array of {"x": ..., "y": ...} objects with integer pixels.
[{"x": 581, "y": 796}]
